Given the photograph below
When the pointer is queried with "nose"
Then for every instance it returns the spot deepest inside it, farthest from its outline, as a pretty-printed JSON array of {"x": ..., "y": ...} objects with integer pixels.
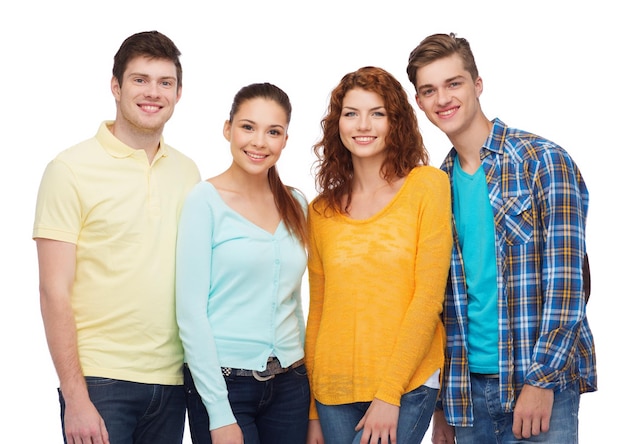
[
  {"x": 258, "y": 139},
  {"x": 443, "y": 96},
  {"x": 364, "y": 123},
  {"x": 153, "y": 89}
]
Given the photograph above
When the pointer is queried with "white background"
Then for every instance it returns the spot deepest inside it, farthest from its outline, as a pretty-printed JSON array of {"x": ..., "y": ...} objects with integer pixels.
[{"x": 550, "y": 67}]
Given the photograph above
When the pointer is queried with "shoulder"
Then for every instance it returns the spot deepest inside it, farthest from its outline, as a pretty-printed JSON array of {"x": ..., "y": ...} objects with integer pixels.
[
  {"x": 299, "y": 196},
  {"x": 79, "y": 153},
  {"x": 319, "y": 207},
  {"x": 541, "y": 155},
  {"x": 426, "y": 185},
  {"x": 201, "y": 203},
  {"x": 525, "y": 145},
  {"x": 200, "y": 194},
  {"x": 76, "y": 163},
  {"x": 427, "y": 176}
]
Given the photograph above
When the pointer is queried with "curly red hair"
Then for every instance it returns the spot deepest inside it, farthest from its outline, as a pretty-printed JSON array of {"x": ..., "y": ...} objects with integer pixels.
[{"x": 404, "y": 144}]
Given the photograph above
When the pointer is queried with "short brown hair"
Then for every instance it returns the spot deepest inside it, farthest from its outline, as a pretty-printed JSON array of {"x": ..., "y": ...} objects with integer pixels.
[
  {"x": 439, "y": 46},
  {"x": 151, "y": 44}
]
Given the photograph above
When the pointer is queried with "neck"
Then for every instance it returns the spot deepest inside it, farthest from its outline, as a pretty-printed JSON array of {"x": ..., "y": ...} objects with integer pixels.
[
  {"x": 469, "y": 143},
  {"x": 367, "y": 174},
  {"x": 247, "y": 184},
  {"x": 147, "y": 141}
]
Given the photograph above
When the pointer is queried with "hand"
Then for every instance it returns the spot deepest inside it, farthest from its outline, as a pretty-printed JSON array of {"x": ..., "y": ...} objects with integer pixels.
[
  {"x": 379, "y": 422},
  {"x": 228, "y": 434},
  {"x": 83, "y": 423},
  {"x": 314, "y": 434},
  {"x": 531, "y": 415},
  {"x": 443, "y": 433}
]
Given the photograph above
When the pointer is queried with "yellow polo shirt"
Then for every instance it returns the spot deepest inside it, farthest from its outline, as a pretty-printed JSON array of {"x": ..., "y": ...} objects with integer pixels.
[{"x": 121, "y": 213}]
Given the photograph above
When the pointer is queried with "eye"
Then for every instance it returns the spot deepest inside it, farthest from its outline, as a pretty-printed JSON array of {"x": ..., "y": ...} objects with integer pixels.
[
  {"x": 274, "y": 132},
  {"x": 247, "y": 127},
  {"x": 167, "y": 83},
  {"x": 427, "y": 92},
  {"x": 349, "y": 114},
  {"x": 379, "y": 114}
]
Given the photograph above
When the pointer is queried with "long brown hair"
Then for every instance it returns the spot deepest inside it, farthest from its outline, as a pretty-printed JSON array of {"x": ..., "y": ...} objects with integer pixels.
[
  {"x": 290, "y": 210},
  {"x": 404, "y": 145}
]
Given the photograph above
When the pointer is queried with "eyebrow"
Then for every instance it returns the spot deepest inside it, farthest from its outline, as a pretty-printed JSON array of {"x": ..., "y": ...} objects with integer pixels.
[
  {"x": 274, "y": 125},
  {"x": 356, "y": 109},
  {"x": 141, "y": 74},
  {"x": 450, "y": 80}
]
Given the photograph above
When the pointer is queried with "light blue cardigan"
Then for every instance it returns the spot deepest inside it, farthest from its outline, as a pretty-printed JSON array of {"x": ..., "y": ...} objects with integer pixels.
[{"x": 237, "y": 295}]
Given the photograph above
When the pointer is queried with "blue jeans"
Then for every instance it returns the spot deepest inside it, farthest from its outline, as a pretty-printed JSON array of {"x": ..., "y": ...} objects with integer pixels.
[
  {"x": 416, "y": 409},
  {"x": 275, "y": 411},
  {"x": 492, "y": 425},
  {"x": 136, "y": 413}
]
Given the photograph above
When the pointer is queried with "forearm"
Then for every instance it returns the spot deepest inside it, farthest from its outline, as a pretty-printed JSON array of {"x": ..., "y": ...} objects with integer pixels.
[
  {"x": 57, "y": 268},
  {"x": 421, "y": 328},
  {"x": 56, "y": 280},
  {"x": 81, "y": 419},
  {"x": 562, "y": 198},
  {"x": 60, "y": 329}
]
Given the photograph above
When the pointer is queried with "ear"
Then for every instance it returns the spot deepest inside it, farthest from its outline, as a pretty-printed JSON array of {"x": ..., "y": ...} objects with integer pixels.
[
  {"x": 226, "y": 130},
  {"x": 478, "y": 86},
  {"x": 418, "y": 101},
  {"x": 115, "y": 88},
  {"x": 179, "y": 93}
]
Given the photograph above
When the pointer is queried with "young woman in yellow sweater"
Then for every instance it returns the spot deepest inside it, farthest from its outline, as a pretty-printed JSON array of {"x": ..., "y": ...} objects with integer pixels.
[{"x": 380, "y": 245}]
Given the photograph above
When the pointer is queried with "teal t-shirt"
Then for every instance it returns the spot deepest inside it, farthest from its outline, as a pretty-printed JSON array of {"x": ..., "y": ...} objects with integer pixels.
[{"x": 473, "y": 216}]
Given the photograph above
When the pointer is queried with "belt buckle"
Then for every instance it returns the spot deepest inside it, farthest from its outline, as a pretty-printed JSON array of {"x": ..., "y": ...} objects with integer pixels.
[{"x": 260, "y": 378}]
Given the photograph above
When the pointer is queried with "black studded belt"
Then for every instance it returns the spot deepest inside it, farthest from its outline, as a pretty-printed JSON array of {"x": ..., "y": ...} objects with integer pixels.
[
  {"x": 273, "y": 368},
  {"x": 486, "y": 375}
]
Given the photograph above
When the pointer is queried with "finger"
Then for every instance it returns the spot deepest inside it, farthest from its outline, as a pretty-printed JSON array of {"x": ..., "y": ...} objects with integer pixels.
[
  {"x": 527, "y": 428},
  {"x": 517, "y": 426},
  {"x": 360, "y": 425},
  {"x": 392, "y": 436},
  {"x": 545, "y": 425},
  {"x": 362, "y": 437}
]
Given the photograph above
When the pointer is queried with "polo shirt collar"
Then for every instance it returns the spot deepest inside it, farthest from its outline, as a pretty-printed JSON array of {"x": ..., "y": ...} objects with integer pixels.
[{"x": 117, "y": 148}]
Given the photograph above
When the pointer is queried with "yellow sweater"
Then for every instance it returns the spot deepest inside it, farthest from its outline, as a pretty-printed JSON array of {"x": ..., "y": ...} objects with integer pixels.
[{"x": 376, "y": 287}]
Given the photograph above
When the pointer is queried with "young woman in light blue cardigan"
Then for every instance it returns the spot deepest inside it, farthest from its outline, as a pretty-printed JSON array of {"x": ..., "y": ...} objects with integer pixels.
[{"x": 240, "y": 260}]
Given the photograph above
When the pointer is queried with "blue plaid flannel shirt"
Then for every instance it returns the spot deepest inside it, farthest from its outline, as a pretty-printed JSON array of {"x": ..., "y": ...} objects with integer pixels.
[{"x": 539, "y": 202}]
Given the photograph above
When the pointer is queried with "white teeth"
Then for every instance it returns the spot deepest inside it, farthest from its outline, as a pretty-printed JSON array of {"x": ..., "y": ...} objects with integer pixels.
[
  {"x": 446, "y": 113},
  {"x": 364, "y": 139},
  {"x": 255, "y": 156},
  {"x": 150, "y": 107}
]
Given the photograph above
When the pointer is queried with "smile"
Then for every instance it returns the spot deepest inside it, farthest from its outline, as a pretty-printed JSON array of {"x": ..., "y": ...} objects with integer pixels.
[
  {"x": 150, "y": 108},
  {"x": 364, "y": 139},
  {"x": 447, "y": 112},
  {"x": 255, "y": 156}
]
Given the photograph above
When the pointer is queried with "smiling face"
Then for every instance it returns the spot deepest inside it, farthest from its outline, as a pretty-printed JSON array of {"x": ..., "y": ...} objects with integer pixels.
[
  {"x": 364, "y": 125},
  {"x": 257, "y": 135},
  {"x": 448, "y": 95},
  {"x": 147, "y": 96}
]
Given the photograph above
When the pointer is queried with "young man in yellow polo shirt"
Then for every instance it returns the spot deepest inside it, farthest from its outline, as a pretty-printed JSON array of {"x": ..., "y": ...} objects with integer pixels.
[{"x": 105, "y": 228}]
